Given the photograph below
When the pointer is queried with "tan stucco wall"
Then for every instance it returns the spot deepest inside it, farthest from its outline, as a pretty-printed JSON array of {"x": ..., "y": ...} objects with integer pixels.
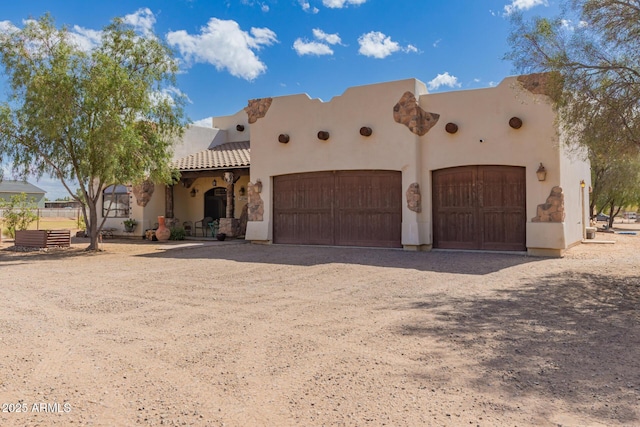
[
  {"x": 484, "y": 138},
  {"x": 388, "y": 148},
  {"x": 230, "y": 123}
]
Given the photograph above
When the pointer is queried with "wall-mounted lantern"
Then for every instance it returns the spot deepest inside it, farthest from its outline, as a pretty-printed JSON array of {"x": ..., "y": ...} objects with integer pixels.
[
  {"x": 283, "y": 138},
  {"x": 242, "y": 191},
  {"x": 451, "y": 128},
  {"x": 193, "y": 192},
  {"x": 258, "y": 186},
  {"x": 366, "y": 131},
  {"x": 541, "y": 173},
  {"x": 214, "y": 183},
  {"x": 323, "y": 135},
  {"x": 582, "y": 183},
  {"x": 515, "y": 122},
  {"x": 240, "y": 128}
]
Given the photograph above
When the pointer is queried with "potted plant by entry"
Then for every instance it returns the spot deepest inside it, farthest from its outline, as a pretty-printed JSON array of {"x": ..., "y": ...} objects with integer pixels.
[{"x": 130, "y": 225}]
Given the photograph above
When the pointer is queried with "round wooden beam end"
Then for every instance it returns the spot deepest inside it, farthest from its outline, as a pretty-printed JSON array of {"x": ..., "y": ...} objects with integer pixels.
[
  {"x": 323, "y": 135},
  {"x": 366, "y": 131},
  {"x": 451, "y": 128},
  {"x": 283, "y": 138},
  {"x": 515, "y": 122}
]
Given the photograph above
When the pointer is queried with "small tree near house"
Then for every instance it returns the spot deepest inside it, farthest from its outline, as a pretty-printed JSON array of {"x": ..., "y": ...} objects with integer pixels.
[{"x": 98, "y": 116}]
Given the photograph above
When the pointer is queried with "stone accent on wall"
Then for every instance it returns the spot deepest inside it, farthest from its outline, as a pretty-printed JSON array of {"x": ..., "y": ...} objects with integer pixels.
[
  {"x": 537, "y": 83},
  {"x": 414, "y": 198},
  {"x": 254, "y": 203},
  {"x": 143, "y": 192},
  {"x": 409, "y": 113},
  {"x": 553, "y": 209},
  {"x": 257, "y": 108}
]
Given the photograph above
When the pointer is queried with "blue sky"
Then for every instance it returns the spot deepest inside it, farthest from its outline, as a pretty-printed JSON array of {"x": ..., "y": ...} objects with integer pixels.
[{"x": 235, "y": 50}]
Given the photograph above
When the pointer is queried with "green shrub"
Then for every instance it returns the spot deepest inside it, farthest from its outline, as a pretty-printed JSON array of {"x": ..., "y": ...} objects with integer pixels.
[
  {"x": 19, "y": 212},
  {"x": 177, "y": 233}
]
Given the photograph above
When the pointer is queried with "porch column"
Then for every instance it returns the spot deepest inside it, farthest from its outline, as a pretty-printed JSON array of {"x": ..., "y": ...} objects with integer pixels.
[
  {"x": 168, "y": 201},
  {"x": 228, "y": 178},
  {"x": 230, "y": 225}
]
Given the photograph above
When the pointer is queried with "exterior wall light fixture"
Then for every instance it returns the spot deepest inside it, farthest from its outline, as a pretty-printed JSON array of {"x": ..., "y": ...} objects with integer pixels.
[
  {"x": 214, "y": 183},
  {"x": 541, "y": 173}
]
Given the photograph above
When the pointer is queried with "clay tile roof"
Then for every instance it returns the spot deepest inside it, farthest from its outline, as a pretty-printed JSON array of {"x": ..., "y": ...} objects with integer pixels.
[{"x": 228, "y": 155}]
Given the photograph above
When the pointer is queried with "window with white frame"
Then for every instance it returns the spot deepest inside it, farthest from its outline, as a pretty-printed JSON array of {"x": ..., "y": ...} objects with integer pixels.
[{"x": 115, "y": 202}]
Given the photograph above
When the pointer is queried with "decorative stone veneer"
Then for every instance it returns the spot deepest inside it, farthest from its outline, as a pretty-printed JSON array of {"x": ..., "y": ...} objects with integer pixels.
[
  {"x": 409, "y": 113},
  {"x": 414, "y": 198},
  {"x": 257, "y": 108},
  {"x": 553, "y": 209},
  {"x": 254, "y": 203},
  {"x": 143, "y": 192}
]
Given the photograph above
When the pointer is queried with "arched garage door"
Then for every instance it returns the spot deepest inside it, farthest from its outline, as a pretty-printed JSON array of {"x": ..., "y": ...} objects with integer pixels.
[
  {"x": 479, "y": 207},
  {"x": 345, "y": 208}
]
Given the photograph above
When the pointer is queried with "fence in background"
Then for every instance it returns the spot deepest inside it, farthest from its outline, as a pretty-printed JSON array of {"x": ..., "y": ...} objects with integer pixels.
[{"x": 55, "y": 213}]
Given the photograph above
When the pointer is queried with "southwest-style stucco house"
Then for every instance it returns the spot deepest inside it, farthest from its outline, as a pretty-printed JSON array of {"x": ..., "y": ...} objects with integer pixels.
[{"x": 388, "y": 165}]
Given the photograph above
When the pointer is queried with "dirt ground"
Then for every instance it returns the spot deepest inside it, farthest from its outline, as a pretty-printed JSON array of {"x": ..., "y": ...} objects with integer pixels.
[{"x": 234, "y": 334}]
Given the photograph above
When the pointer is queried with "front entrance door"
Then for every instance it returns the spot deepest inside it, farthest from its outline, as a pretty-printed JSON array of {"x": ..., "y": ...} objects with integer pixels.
[{"x": 215, "y": 203}]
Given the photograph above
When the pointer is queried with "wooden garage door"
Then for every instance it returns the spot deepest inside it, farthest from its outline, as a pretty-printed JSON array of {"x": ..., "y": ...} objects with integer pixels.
[
  {"x": 347, "y": 208},
  {"x": 479, "y": 207}
]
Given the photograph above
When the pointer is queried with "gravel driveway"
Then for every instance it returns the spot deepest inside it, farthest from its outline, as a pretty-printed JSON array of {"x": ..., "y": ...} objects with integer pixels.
[{"x": 234, "y": 334}]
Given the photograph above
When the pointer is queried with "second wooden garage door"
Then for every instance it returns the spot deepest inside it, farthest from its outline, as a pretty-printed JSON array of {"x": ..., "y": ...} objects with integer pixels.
[
  {"x": 347, "y": 208},
  {"x": 479, "y": 207}
]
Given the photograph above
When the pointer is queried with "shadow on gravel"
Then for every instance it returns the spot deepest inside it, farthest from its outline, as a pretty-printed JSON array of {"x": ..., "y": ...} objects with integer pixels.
[
  {"x": 574, "y": 338},
  {"x": 477, "y": 263}
]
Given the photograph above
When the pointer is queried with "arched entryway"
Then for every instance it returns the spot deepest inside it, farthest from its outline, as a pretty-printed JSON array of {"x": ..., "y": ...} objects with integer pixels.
[{"x": 215, "y": 203}]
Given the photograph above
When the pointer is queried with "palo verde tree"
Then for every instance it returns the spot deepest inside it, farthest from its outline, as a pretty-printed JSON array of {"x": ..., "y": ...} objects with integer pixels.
[
  {"x": 97, "y": 116},
  {"x": 592, "y": 54}
]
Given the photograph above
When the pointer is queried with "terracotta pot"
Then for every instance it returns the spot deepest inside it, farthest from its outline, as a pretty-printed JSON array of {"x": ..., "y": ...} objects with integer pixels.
[{"x": 162, "y": 233}]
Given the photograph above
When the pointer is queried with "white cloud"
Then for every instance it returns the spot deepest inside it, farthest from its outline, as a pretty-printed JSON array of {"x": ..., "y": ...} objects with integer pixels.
[
  {"x": 7, "y": 27},
  {"x": 329, "y": 38},
  {"x": 168, "y": 95},
  {"x": 339, "y": 4},
  {"x": 436, "y": 43},
  {"x": 265, "y": 8},
  {"x": 85, "y": 39},
  {"x": 303, "y": 47},
  {"x": 223, "y": 44},
  {"x": 205, "y": 123},
  {"x": 378, "y": 45},
  {"x": 523, "y": 5},
  {"x": 445, "y": 79},
  {"x": 307, "y": 7},
  {"x": 320, "y": 47},
  {"x": 142, "y": 20}
]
